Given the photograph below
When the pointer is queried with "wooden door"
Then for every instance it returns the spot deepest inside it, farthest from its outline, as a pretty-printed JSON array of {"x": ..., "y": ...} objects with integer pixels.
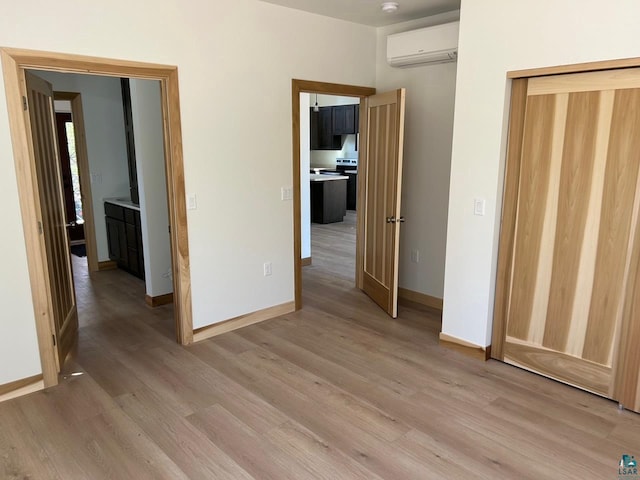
[
  {"x": 569, "y": 245},
  {"x": 382, "y": 189},
  {"x": 59, "y": 280}
]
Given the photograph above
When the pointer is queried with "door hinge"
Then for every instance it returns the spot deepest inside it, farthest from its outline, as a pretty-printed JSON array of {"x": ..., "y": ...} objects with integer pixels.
[
  {"x": 54, "y": 340},
  {"x": 169, "y": 229},
  {"x": 24, "y": 102},
  {"x": 40, "y": 227}
]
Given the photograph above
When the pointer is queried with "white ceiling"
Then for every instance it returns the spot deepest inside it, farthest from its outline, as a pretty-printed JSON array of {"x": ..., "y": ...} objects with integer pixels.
[{"x": 368, "y": 12}]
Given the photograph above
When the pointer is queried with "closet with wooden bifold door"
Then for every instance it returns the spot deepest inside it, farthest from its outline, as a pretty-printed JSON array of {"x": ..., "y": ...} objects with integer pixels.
[{"x": 568, "y": 286}]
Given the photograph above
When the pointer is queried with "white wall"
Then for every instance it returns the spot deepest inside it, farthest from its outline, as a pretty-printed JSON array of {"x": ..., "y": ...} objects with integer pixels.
[
  {"x": 427, "y": 158},
  {"x": 305, "y": 186},
  {"x": 236, "y": 61},
  {"x": 106, "y": 147},
  {"x": 497, "y": 36},
  {"x": 146, "y": 110}
]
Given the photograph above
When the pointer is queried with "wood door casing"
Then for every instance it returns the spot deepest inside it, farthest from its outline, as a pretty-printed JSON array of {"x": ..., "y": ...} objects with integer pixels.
[
  {"x": 53, "y": 222},
  {"x": 383, "y": 185},
  {"x": 565, "y": 270}
]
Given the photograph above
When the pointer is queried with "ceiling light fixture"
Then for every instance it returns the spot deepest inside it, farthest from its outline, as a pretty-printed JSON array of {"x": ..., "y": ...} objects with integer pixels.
[{"x": 390, "y": 7}]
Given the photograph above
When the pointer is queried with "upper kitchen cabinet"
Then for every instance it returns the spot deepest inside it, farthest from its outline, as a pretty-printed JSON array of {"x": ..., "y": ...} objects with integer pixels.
[
  {"x": 131, "y": 147},
  {"x": 345, "y": 119},
  {"x": 322, "y": 134}
]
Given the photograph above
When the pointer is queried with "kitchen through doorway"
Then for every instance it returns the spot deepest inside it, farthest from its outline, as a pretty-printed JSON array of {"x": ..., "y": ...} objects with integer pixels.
[{"x": 329, "y": 142}]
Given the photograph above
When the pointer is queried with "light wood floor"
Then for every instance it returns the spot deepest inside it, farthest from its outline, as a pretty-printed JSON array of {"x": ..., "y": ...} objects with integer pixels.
[
  {"x": 335, "y": 391},
  {"x": 333, "y": 248}
]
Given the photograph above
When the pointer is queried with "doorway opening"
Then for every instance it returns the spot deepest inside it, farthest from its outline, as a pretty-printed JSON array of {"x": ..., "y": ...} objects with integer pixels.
[
  {"x": 15, "y": 63},
  {"x": 379, "y": 189},
  {"x": 70, "y": 176},
  {"x": 125, "y": 154},
  {"x": 300, "y": 110},
  {"x": 329, "y": 131}
]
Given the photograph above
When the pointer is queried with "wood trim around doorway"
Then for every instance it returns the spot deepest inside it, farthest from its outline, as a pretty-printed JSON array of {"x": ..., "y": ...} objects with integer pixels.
[
  {"x": 509, "y": 212},
  {"x": 306, "y": 86},
  {"x": 576, "y": 68},
  {"x": 14, "y": 63}
]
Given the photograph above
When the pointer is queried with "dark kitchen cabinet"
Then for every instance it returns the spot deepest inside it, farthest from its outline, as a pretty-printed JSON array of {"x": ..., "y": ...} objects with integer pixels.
[
  {"x": 345, "y": 119},
  {"x": 130, "y": 139},
  {"x": 321, "y": 130},
  {"x": 328, "y": 201},
  {"x": 352, "y": 190},
  {"x": 124, "y": 238},
  {"x": 117, "y": 241}
]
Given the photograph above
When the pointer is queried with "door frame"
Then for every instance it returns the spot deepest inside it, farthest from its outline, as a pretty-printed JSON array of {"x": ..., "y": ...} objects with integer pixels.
[
  {"x": 308, "y": 86},
  {"x": 14, "y": 64},
  {"x": 82, "y": 157}
]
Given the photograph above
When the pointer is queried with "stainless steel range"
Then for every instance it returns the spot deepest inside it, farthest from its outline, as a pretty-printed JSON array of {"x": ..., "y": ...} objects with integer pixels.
[{"x": 343, "y": 164}]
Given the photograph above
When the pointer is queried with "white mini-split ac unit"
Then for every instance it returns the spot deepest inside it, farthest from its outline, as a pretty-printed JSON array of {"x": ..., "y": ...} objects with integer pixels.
[{"x": 437, "y": 44}]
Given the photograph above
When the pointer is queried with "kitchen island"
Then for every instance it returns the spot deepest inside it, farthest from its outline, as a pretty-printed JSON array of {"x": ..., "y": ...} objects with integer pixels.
[{"x": 328, "y": 198}]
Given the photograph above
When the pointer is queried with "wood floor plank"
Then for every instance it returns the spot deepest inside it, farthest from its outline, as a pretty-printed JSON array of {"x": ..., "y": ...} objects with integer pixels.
[
  {"x": 179, "y": 439},
  {"x": 249, "y": 449},
  {"x": 123, "y": 450},
  {"x": 320, "y": 459},
  {"x": 361, "y": 414},
  {"x": 23, "y": 456}
]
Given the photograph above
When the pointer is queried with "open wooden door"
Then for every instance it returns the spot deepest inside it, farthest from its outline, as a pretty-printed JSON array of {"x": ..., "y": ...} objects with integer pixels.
[
  {"x": 53, "y": 236},
  {"x": 382, "y": 189}
]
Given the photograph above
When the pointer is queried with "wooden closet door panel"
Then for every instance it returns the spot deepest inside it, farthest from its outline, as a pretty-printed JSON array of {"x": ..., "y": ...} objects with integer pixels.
[
  {"x": 627, "y": 378},
  {"x": 572, "y": 209},
  {"x": 575, "y": 224},
  {"x": 615, "y": 225},
  {"x": 534, "y": 187}
]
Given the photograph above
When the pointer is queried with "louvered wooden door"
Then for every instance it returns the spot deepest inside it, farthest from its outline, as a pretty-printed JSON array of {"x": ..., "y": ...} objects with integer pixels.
[
  {"x": 573, "y": 257},
  {"x": 51, "y": 204},
  {"x": 382, "y": 189}
]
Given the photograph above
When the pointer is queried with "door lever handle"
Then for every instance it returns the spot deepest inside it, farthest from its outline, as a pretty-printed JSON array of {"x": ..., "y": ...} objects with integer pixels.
[
  {"x": 391, "y": 219},
  {"x": 400, "y": 220}
]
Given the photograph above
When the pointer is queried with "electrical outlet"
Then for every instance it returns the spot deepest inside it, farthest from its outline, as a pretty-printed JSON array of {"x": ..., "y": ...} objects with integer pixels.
[
  {"x": 415, "y": 256},
  {"x": 267, "y": 269},
  {"x": 478, "y": 206},
  {"x": 96, "y": 178}
]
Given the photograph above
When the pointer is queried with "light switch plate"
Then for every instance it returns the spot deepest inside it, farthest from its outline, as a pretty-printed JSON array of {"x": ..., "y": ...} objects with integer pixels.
[
  {"x": 192, "y": 202},
  {"x": 286, "y": 193},
  {"x": 478, "y": 206}
]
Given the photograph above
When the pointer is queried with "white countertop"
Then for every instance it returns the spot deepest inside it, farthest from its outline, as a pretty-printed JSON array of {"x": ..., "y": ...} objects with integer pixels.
[
  {"x": 123, "y": 202},
  {"x": 318, "y": 177}
]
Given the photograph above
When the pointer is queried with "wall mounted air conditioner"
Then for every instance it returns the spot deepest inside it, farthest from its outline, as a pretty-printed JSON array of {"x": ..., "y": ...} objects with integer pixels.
[{"x": 437, "y": 44}]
